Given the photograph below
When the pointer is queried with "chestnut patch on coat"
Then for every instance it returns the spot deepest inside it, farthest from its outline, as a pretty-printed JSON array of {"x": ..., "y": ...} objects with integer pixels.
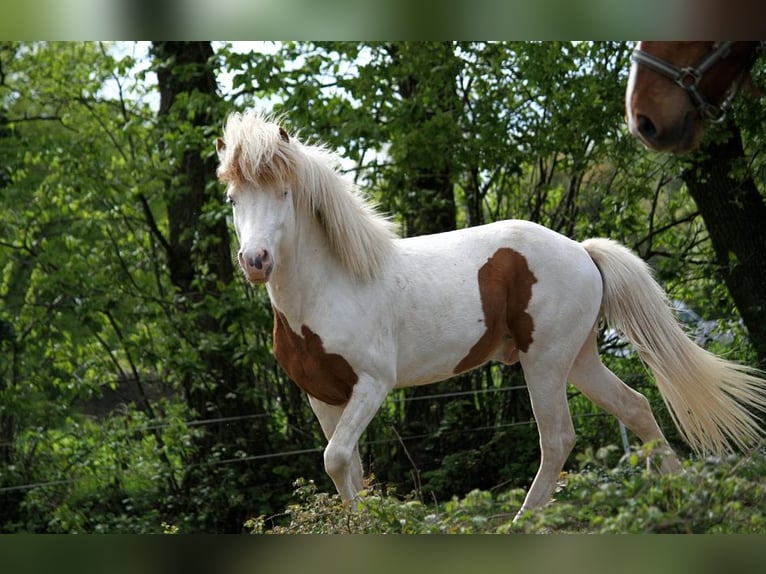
[
  {"x": 325, "y": 376},
  {"x": 505, "y": 286}
]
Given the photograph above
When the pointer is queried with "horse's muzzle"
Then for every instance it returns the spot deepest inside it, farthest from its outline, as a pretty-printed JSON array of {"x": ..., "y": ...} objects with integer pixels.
[
  {"x": 675, "y": 137},
  {"x": 257, "y": 265}
]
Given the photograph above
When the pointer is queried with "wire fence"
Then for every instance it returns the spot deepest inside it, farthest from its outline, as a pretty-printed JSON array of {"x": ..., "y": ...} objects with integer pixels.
[
  {"x": 319, "y": 449},
  {"x": 396, "y": 399}
]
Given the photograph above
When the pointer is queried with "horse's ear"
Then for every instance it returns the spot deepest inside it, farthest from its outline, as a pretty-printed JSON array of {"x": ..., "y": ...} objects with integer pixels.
[
  {"x": 220, "y": 146},
  {"x": 283, "y": 135}
]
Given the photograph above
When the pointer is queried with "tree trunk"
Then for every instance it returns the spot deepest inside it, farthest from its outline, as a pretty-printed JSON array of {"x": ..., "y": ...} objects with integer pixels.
[
  {"x": 425, "y": 150},
  {"x": 186, "y": 69},
  {"x": 200, "y": 267},
  {"x": 735, "y": 217}
]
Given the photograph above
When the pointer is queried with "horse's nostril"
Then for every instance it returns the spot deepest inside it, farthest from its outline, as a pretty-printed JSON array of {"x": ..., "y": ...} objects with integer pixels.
[
  {"x": 646, "y": 127},
  {"x": 259, "y": 261}
]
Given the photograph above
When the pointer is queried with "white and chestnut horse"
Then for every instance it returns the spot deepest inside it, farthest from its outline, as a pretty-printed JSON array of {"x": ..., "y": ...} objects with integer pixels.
[
  {"x": 359, "y": 312},
  {"x": 674, "y": 87}
]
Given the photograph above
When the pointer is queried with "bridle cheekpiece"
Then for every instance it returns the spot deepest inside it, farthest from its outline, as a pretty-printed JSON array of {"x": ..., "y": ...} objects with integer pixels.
[{"x": 688, "y": 78}]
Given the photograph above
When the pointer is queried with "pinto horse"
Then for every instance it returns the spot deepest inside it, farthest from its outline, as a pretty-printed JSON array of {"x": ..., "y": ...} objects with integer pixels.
[
  {"x": 674, "y": 87},
  {"x": 359, "y": 312}
]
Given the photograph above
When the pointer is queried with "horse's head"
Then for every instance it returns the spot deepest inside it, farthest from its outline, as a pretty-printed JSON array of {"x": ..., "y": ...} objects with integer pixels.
[
  {"x": 673, "y": 87},
  {"x": 255, "y": 169}
]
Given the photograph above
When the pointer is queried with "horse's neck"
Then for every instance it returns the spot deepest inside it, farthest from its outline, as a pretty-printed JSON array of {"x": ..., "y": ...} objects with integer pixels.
[{"x": 304, "y": 269}]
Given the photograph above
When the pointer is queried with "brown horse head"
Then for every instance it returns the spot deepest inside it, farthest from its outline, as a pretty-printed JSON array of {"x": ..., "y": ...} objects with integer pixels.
[{"x": 674, "y": 87}]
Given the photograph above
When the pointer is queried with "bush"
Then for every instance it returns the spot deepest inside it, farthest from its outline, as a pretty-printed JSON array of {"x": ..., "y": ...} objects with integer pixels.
[{"x": 714, "y": 495}]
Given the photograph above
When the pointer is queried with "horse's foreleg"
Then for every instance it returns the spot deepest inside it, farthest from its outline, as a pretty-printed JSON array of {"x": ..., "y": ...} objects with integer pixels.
[
  {"x": 328, "y": 417},
  {"x": 341, "y": 456},
  {"x": 547, "y": 391}
]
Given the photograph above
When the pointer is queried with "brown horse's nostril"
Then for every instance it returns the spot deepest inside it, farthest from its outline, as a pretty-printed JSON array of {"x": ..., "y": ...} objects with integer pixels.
[{"x": 646, "y": 127}]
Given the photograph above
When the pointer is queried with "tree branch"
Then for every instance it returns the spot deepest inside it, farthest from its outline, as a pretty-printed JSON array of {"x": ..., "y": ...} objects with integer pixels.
[
  {"x": 153, "y": 227},
  {"x": 36, "y": 118}
]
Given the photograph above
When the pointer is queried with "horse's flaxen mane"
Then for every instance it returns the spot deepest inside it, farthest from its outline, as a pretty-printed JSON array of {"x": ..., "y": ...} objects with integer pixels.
[{"x": 257, "y": 150}]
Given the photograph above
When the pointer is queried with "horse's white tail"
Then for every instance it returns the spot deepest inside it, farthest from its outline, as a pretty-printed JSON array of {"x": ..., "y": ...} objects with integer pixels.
[{"x": 715, "y": 403}]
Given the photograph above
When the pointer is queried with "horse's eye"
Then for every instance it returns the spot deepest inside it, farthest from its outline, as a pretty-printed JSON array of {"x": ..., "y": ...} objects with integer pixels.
[{"x": 230, "y": 200}]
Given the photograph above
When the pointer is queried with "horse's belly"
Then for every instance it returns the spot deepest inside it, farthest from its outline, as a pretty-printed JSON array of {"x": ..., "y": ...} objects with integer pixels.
[{"x": 433, "y": 352}]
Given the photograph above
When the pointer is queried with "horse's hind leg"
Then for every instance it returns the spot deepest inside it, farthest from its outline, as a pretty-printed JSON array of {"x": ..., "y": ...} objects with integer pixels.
[
  {"x": 547, "y": 392},
  {"x": 607, "y": 391}
]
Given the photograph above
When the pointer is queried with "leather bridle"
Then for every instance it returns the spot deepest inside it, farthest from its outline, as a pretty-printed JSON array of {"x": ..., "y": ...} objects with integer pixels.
[{"x": 688, "y": 78}]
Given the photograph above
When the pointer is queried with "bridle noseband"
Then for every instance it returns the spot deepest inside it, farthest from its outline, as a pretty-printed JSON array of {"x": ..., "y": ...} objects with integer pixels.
[{"x": 688, "y": 78}]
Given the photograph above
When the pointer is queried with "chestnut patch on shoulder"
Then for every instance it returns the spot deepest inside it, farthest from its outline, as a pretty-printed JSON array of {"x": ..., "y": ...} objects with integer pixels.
[
  {"x": 325, "y": 376},
  {"x": 505, "y": 286}
]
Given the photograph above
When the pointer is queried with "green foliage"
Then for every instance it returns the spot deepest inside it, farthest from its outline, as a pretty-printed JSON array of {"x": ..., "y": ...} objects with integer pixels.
[
  {"x": 377, "y": 511},
  {"x": 712, "y": 496},
  {"x": 100, "y": 476}
]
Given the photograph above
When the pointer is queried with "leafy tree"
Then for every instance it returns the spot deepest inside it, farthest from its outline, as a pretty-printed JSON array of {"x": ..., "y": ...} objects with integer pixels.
[
  {"x": 94, "y": 304},
  {"x": 73, "y": 258},
  {"x": 724, "y": 188}
]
